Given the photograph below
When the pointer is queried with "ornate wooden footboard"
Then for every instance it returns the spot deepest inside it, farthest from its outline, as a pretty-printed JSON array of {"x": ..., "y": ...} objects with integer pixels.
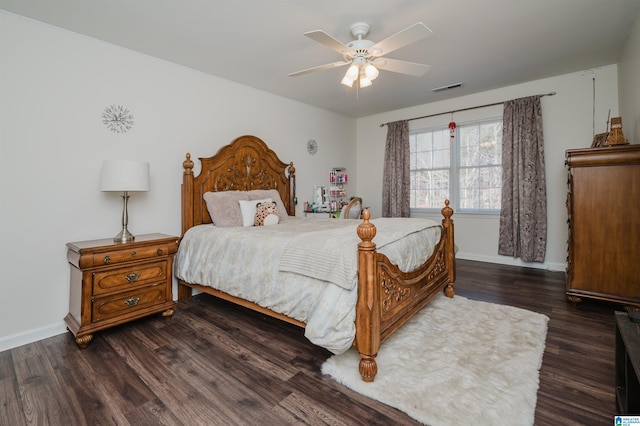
[{"x": 387, "y": 297}]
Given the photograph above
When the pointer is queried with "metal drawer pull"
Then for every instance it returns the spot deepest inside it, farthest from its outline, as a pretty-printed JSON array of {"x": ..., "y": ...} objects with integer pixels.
[
  {"x": 132, "y": 301},
  {"x": 133, "y": 253},
  {"x": 133, "y": 277},
  {"x": 107, "y": 260},
  {"x": 159, "y": 252}
]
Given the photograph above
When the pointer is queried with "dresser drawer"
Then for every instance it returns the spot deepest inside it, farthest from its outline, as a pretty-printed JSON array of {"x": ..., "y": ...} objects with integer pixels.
[
  {"x": 130, "y": 255},
  {"x": 108, "y": 307},
  {"x": 130, "y": 277}
]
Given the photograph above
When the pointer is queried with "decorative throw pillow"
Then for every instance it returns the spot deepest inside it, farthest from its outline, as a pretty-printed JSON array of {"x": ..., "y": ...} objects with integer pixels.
[
  {"x": 223, "y": 207},
  {"x": 248, "y": 210},
  {"x": 267, "y": 214},
  {"x": 257, "y": 194}
]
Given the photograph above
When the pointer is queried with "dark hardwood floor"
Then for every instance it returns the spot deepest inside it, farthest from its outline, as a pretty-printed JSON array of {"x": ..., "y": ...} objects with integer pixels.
[{"x": 217, "y": 364}]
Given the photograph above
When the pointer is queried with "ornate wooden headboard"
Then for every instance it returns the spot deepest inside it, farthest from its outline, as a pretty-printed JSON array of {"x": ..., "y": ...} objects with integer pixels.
[{"x": 245, "y": 164}]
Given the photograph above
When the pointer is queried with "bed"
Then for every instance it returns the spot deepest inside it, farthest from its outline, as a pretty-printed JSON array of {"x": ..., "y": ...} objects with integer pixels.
[{"x": 385, "y": 294}]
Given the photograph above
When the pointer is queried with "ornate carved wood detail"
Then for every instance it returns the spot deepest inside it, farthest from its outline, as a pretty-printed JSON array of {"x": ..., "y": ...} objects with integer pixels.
[
  {"x": 398, "y": 287},
  {"x": 368, "y": 367},
  {"x": 245, "y": 164},
  {"x": 393, "y": 292},
  {"x": 83, "y": 341},
  {"x": 245, "y": 174}
]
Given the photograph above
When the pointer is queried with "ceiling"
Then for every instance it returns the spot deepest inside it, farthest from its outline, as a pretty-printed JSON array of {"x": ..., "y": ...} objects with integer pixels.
[{"x": 482, "y": 44}]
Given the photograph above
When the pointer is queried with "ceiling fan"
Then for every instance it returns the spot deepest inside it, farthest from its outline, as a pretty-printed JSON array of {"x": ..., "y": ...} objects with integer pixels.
[{"x": 365, "y": 57}]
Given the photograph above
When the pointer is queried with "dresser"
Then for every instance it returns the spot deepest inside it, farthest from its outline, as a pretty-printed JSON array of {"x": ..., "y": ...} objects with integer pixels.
[
  {"x": 603, "y": 205},
  {"x": 114, "y": 283}
]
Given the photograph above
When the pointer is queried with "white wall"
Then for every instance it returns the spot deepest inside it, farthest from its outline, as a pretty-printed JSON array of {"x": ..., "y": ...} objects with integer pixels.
[
  {"x": 567, "y": 121},
  {"x": 54, "y": 86},
  {"x": 629, "y": 85}
]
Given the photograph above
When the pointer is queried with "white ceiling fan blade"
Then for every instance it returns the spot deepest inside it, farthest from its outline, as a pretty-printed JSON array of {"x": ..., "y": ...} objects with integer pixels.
[
  {"x": 320, "y": 68},
  {"x": 324, "y": 38},
  {"x": 400, "y": 39},
  {"x": 402, "y": 67}
]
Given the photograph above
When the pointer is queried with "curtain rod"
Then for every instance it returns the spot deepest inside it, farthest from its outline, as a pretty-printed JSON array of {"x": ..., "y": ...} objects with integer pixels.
[{"x": 463, "y": 109}]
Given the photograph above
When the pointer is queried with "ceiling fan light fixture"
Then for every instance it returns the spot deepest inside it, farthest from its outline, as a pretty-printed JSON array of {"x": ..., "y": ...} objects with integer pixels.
[
  {"x": 352, "y": 72},
  {"x": 347, "y": 81},
  {"x": 371, "y": 72},
  {"x": 364, "y": 81},
  {"x": 365, "y": 57}
]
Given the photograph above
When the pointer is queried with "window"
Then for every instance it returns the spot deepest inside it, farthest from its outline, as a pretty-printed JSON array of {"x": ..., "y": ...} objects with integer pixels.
[{"x": 466, "y": 169}]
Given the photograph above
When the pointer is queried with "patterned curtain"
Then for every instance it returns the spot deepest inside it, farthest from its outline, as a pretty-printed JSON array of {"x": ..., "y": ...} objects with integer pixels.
[
  {"x": 523, "y": 218},
  {"x": 396, "y": 184}
]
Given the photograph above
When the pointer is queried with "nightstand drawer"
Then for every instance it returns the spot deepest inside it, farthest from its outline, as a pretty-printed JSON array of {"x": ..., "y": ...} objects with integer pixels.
[
  {"x": 130, "y": 255},
  {"x": 129, "y": 302},
  {"x": 129, "y": 277}
]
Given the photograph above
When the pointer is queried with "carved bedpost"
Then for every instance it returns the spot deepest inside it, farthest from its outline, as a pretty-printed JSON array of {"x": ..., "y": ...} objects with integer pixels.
[
  {"x": 184, "y": 292},
  {"x": 292, "y": 190},
  {"x": 450, "y": 249},
  {"x": 368, "y": 314},
  {"x": 187, "y": 194}
]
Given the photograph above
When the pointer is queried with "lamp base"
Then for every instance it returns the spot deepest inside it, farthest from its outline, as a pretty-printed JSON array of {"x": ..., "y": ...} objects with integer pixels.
[{"x": 124, "y": 236}]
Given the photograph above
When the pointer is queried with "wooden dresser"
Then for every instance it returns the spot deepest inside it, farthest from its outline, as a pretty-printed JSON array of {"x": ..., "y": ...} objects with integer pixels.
[
  {"x": 113, "y": 283},
  {"x": 604, "y": 224}
]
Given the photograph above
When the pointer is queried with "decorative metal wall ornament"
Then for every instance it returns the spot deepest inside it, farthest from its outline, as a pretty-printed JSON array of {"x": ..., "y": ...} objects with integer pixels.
[
  {"x": 312, "y": 147},
  {"x": 117, "y": 118}
]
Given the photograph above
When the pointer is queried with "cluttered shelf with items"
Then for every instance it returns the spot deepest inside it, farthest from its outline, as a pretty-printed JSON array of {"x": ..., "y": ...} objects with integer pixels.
[
  {"x": 330, "y": 210},
  {"x": 329, "y": 200}
]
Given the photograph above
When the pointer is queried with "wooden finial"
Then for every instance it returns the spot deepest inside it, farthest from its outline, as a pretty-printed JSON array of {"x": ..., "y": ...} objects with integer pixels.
[
  {"x": 366, "y": 230},
  {"x": 188, "y": 164},
  {"x": 447, "y": 211}
]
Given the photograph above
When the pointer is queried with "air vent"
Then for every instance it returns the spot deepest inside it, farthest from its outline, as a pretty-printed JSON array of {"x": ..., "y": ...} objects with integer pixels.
[{"x": 449, "y": 87}]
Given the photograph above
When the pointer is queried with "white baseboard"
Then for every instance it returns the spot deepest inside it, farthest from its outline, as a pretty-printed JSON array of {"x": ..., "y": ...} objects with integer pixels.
[
  {"x": 33, "y": 335},
  {"x": 550, "y": 266}
]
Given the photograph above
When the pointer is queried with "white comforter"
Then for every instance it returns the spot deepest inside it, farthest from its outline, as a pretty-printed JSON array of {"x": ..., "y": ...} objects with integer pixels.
[{"x": 245, "y": 262}]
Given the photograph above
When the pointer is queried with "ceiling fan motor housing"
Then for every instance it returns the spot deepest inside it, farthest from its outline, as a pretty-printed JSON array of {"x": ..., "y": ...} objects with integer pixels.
[
  {"x": 360, "y": 29},
  {"x": 360, "y": 46}
]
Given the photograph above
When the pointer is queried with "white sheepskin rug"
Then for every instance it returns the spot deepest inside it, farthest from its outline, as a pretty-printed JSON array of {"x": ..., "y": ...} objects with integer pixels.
[{"x": 456, "y": 362}]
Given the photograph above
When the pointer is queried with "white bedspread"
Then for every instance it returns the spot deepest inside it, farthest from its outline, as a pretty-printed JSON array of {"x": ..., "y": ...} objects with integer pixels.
[
  {"x": 245, "y": 262},
  {"x": 329, "y": 255}
]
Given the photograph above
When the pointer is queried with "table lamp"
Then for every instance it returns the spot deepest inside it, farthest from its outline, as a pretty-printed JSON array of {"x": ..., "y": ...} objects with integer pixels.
[{"x": 124, "y": 176}]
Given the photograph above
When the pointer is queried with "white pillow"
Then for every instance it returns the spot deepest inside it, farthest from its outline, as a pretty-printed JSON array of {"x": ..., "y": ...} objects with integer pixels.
[{"x": 248, "y": 209}]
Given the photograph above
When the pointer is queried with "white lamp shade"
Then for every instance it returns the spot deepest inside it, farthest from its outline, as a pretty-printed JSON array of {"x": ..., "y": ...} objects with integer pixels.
[{"x": 124, "y": 175}]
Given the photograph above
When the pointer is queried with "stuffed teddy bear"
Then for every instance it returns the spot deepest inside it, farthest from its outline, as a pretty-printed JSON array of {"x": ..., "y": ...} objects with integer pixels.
[{"x": 266, "y": 214}]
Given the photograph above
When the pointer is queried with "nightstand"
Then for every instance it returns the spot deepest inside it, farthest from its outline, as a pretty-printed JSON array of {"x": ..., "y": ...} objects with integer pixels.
[{"x": 114, "y": 283}]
